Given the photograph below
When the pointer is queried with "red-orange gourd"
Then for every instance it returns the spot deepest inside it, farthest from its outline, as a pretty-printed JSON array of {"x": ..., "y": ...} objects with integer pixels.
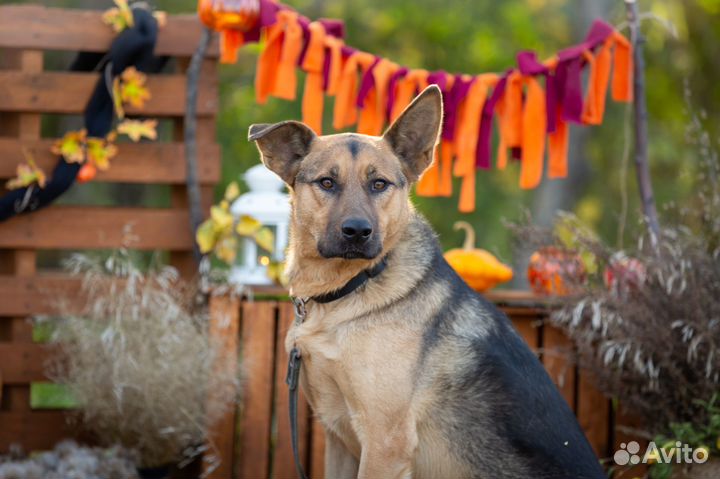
[
  {"x": 86, "y": 173},
  {"x": 551, "y": 271},
  {"x": 229, "y": 14},
  {"x": 479, "y": 268}
]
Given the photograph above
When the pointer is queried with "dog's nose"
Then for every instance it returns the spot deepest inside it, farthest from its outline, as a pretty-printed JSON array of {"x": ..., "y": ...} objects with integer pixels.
[{"x": 356, "y": 229}]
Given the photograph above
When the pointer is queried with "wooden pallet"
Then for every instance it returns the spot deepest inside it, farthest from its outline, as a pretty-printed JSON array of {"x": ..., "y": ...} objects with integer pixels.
[{"x": 28, "y": 93}]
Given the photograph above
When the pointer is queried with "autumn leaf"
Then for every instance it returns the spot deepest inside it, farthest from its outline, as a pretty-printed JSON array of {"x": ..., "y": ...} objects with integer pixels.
[
  {"x": 99, "y": 152},
  {"x": 226, "y": 249},
  {"x": 265, "y": 238},
  {"x": 71, "y": 146},
  {"x": 247, "y": 226},
  {"x": 132, "y": 87},
  {"x": 206, "y": 236},
  {"x": 232, "y": 191},
  {"x": 27, "y": 174},
  {"x": 221, "y": 218},
  {"x": 117, "y": 98},
  {"x": 276, "y": 272},
  {"x": 119, "y": 17},
  {"x": 137, "y": 129}
]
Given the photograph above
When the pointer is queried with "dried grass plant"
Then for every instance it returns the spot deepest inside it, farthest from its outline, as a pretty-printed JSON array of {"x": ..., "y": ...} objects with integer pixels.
[
  {"x": 654, "y": 344},
  {"x": 139, "y": 360}
]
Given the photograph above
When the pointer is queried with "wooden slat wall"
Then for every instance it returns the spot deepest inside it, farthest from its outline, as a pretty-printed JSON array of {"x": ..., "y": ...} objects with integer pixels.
[
  {"x": 27, "y": 93},
  {"x": 263, "y": 448}
]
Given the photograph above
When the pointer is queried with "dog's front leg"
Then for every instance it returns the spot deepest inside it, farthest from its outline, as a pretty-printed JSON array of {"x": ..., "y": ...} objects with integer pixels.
[
  {"x": 387, "y": 453},
  {"x": 339, "y": 461}
]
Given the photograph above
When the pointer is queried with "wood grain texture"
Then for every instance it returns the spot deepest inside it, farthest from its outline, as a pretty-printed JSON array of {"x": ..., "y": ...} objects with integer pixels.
[
  {"x": 152, "y": 163},
  {"x": 66, "y": 227},
  {"x": 23, "y": 363},
  {"x": 258, "y": 346},
  {"x": 69, "y": 92},
  {"x": 557, "y": 357},
  {"x": 593, "y": 412},
  {"x": 224, "y": 330},
  {"x": 34, "y": 26},
  {"x": 35, "y": 430}
]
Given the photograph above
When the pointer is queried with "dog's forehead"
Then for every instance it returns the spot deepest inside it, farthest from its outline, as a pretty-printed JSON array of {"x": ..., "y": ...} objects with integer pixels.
[{"x": 348, "y": 151}]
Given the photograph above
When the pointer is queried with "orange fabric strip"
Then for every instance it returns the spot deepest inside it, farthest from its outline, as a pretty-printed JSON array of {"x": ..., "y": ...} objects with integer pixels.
[
  {"x": 286, "y": 79},
  {"x": 345, "y": 113},
  {"x": 429, "y": 183},
  {"x": 534, "y": 126},
  {"x": 446, "y": 157},
  {"x": 230, "y": 43},
  {"x": 558, "y": 148},
  {"x": 374, "y": 111},
  {"x": 335, "y": 46},
  {"x": 513, "y": 118},
  {"x": 469, "y": 124},
  {"x": 622, "y": 81},
  {"x": 267, "y": 64},
  {"x": 415, "y": 80},
  {"x": 467, "y": 194},
  {"x": 594, "y": 107},
  {"x": 313, "y": 63}
]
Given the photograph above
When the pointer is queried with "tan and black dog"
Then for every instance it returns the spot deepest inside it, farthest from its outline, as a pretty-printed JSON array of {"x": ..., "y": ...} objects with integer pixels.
[{"x": 413, "y": 374}]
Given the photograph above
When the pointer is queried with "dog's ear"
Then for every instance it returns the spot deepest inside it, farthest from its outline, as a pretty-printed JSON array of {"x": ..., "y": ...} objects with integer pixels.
[
  {"x": 414, "y": 134},
  {"x": 282, "y": 146}
]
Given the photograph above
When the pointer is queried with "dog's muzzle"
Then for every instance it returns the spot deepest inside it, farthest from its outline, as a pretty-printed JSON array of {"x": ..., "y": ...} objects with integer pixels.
[{"x": 356, "y": 239}]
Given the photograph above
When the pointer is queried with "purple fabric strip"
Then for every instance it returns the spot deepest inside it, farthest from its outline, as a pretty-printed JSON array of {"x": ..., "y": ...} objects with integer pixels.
[
  {"x": 392, "y": 83},
  {"x": 454, "y": 97},
  {"x": 482, "y": 153},
  {"x": 438, "y": 78},
  {"x": 366, "y": 84}
]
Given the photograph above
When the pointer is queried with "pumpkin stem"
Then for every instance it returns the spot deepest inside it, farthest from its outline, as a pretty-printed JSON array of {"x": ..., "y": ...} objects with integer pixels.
[{"x": 469, "y": 234}]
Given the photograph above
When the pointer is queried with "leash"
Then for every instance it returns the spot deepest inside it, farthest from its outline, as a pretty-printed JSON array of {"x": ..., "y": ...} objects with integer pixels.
[{"x": 295, "y": 359}]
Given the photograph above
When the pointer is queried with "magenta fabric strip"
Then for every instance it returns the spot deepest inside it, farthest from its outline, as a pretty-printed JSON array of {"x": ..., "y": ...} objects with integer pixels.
[
  {"x": 482, "y": 153},
  {"x": 528, "y": 64},
  {"x": 455, "y": 96},
  {"x": 367, "y": 83},
  {"x": 392, "y": 84}
]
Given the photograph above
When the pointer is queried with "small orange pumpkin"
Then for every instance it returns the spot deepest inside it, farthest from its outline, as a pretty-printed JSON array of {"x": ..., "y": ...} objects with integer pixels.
[
  {"x": 479, "y": 268},
  {"x": 549, "y": 267}
]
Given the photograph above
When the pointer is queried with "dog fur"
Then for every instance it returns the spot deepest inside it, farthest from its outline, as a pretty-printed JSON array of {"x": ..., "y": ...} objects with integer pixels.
[{"x": 413, "y": 374}]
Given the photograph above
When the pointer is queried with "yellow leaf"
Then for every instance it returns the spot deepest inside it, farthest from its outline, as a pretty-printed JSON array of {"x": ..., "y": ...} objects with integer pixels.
[
  {"x": 27, "y": 174},
  {"x": 120, "y": 17},
  {"x": 132, "y": 87},
  {"x": 247, "y": 226},
  {"x": 137, "y": 129},
  {"x": 206, "y": 236},
  {"x": 71, "y": 146},
  {"x": 117, "y": 98},
  {"x": 226, "y": 249},
  {"x": 224, "y": 204},
  {"x": 99, "y": 152},
  {"x": 265, "y": 238},
  {"x": 222, "y": 219},
  {"x": 276, "y": 272},
  {"x": 232, "y": 191}
]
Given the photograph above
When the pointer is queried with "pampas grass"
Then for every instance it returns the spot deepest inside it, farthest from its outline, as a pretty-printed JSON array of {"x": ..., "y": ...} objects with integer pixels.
[{"x": 139, "y": 361}]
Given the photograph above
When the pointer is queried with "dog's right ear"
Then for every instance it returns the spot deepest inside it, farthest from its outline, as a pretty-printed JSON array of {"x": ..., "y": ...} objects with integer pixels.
[{"x": 282, "y": 146}]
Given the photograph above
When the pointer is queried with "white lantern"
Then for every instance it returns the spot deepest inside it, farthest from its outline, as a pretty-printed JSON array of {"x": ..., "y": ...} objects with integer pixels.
[{"x": 267, "y": 203}]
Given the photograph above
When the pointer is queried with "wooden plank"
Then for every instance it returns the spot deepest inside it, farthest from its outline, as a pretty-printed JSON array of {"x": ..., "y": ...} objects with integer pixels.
[
  {"x": 593, "y": 413},
  {"x": 23, "y": 363},
  {"x": 69, "y": 227},
  {"x": 624, "y": 420},
  {"x": 258, "y": 337},
  {"x": 283, "y": 463},
  {"x": 159, "y": 163},
  {"x": 34, "y": 26},
  {"x": 224, "y": 329},
  {"x": 34, "y": 430},
  {"x": 36, "y": 295},
  {"x": 69, "y": 92},
  {"x": 317, "y": 454},
  {"x": 557, "y": 358},
  {"x": 528, "y": 329}
]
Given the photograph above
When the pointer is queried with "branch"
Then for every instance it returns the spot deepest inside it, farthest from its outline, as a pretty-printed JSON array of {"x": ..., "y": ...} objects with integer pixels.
[
  {"x": 193, "y": 188},
  {"x": 641, "y": 135}
]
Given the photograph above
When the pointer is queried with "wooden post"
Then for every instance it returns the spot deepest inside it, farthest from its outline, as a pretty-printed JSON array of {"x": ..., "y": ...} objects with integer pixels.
[{"x": 641, "y": 135}]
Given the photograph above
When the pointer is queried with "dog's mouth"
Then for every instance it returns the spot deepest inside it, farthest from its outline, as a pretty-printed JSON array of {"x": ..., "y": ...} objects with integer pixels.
[{"x": 371, "y": 250}]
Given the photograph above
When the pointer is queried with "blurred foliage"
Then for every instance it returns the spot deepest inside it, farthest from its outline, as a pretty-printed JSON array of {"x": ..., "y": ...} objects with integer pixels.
[{"x": 474, "y": 36}]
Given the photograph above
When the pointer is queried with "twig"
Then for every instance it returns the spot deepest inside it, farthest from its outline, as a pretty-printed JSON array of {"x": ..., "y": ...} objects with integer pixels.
[
  {"x": 641, "y": 134},
  {"x": 193, "y": 188}
]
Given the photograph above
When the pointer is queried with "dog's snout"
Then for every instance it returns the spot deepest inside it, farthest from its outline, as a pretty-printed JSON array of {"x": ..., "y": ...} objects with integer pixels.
[{"x": 356, "y": 229}]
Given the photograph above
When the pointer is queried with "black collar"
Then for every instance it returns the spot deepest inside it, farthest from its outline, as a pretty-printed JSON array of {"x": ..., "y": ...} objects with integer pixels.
[{"x": 353, "y": 284}]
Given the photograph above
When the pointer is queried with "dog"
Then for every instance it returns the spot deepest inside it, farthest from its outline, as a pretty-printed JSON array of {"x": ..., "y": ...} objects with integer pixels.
[{"x": 412, "y": 374}]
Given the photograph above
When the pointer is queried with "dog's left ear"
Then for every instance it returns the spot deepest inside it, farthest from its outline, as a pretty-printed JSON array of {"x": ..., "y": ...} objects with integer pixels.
[
  {"x": 282, "y": 146},
  {"x": 415, "y": 133}
]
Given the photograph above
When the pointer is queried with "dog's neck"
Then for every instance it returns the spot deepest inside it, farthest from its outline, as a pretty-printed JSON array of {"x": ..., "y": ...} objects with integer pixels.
[{"x": 312, "y": 275}]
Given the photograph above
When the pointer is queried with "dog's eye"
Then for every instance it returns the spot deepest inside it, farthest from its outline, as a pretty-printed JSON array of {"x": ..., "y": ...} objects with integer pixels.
[
  {"x": 327, "y": 183},
  {"x": 379, "y": 185}
]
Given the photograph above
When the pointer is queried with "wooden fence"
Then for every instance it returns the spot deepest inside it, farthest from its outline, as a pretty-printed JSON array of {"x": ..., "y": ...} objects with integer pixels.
[
  {"x": 254, "y": 441},
  {"x": 32, "y": 99}
]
